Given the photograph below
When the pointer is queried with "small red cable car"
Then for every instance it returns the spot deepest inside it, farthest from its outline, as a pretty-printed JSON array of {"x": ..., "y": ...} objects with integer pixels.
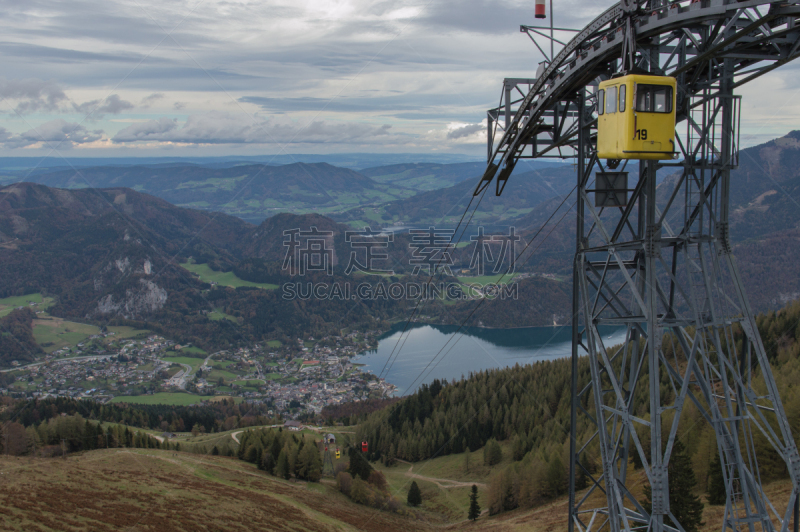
[{"x": 363, "y": 446}]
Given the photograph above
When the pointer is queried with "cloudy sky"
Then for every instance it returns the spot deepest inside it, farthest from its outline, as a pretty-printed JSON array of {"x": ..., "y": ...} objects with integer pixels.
[{"x": 209, "y": 77}]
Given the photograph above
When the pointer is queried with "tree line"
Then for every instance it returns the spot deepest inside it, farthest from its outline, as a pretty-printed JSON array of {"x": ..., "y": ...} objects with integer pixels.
[
  {"x": 211, "y": 416},
  {"x": 69, "y": 434}
]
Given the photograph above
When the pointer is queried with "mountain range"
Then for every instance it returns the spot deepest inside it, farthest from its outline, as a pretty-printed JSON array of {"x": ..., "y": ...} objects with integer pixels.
[{"x": 115, "y": 253}]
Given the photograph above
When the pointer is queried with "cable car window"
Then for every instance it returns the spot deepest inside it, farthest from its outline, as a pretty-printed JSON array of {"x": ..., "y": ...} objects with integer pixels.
[
  {"x": 601, "y": 101},
  {"x": 653, "y": 99},
  {"x": 611, "y": 100},
  {"x": 622, "y": 91}
]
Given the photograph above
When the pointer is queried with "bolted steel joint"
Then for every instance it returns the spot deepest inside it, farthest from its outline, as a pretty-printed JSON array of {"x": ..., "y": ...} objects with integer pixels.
[
  {"x": 659, "y": 491},
  {"x": 724, "y": 237},
  {"x": 652, "y": 240}
]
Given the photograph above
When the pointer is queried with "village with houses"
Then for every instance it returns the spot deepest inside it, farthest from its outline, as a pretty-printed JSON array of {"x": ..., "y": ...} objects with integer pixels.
[{"x": 296, "y": 380}]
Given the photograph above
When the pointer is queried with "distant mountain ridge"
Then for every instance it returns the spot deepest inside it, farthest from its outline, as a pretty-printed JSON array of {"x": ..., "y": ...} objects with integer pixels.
[
  {"x": 525, "y": 190},
  {"x": 252, "y": 192},
  {"x": 114, "y": 253}
]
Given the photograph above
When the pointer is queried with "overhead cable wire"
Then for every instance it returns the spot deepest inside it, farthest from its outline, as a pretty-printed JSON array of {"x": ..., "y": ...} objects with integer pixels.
[
  {"x": 419, "y": 301},
  {"x": 429, "y": 280},
  {"x": 463, "y": 323}
]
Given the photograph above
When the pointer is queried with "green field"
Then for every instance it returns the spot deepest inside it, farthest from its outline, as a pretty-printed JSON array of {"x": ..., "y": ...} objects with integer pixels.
[
  {"x": 180, "y": 399},
  {"x": 251, "y": 383},
  {"x": 215, "y": 374},
  {"x": 483, "y": 280},
  {"x": 194, "y": 350},
  {"x": 10, "y": 303},
  {"x": 274, "y": 343},
  {"x": 18, "y": 301},
  {"x": 125, "y": 332},
  {"x": 217, "y": 315},
  {"x": 207, "y": 275},
  {"x": 57, "y": 333}
]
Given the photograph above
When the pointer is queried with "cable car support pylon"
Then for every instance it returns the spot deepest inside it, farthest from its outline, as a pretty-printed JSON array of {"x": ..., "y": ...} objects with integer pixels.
[{"x": 656, "y": 260}]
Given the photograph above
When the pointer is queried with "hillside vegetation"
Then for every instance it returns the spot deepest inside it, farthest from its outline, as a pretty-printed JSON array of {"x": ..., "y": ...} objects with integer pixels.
[{"x": 529, "y": 407}]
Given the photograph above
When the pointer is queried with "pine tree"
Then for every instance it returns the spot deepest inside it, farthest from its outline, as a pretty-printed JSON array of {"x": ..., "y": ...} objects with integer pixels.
[
  {"x": 414, "y": 495},
  {"x": 474, "y": 507},
  {"x": 359, "y": 467},
  {"x": 716, "y": 482},
  {"x": 492, "y": 453},
  {"x": 582, "y": 479},
  {"x": 215, "y": 451},
  {"x": 683, "y": 503},
  {"x": 282, "y": 469},
  {"x": 310, "y": 467}
]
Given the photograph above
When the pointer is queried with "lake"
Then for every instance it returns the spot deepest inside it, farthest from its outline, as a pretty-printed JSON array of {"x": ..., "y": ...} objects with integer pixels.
[{"x": 473, "y": 349}]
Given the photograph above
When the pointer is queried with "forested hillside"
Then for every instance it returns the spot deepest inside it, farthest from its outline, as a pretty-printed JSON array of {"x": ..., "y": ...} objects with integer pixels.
[
  {"x": 529, "y": 406},
  {"x": 16, "y": 337}
]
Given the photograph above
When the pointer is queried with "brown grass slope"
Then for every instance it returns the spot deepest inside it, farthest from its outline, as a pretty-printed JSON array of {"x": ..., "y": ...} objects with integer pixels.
[{"x": 149, "y": 490}]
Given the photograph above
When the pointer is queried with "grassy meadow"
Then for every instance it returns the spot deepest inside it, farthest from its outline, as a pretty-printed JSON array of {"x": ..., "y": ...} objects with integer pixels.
[
  {"x": 163, "y": 398},
  {"x": 207, "y": 275}
]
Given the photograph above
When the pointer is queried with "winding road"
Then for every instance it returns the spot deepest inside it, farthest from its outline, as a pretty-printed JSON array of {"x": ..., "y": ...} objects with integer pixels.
[{"x": 444, "y": 483}]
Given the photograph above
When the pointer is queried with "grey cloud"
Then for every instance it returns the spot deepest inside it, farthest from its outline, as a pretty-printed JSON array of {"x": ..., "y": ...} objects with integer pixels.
[
  {"x": 115, "y": 105},
  {"x": 464, "y": 131},
  {"x": 223, "y": 128},
  {"x": 56, "y": 133},
  {"x": 408, "y": 102},
  {"x": 150, "y": 130},
  {"x": 480, "y": 16},
  {"x": 95, "y": 109},
  {"x": 178, "y": 106},
  {"x": 32, "y": 94},
  {"x": 113, "y": 22},
  {"x": 147, "y": 101},
  {"x": 64, "y": 55}
]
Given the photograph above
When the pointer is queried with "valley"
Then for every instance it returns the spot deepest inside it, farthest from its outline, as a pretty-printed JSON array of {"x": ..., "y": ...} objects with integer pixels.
[{"x": 157, "y": 304}]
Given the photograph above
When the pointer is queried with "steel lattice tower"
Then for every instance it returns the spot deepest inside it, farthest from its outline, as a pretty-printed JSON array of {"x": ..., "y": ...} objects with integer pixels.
[{"x": 659, "y": 263}]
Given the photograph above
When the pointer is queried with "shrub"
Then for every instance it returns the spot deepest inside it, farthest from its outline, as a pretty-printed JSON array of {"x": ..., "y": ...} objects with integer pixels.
[
  {"x": 360, "y": 492},
  {"x": 414, "y": 495},
  {"x": 377, "y": 479},
  {"x": 344, "y": 482}
]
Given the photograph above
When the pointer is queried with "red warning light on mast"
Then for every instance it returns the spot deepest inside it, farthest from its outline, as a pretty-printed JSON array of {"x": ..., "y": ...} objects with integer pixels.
[{"x": 540, "y": 9}]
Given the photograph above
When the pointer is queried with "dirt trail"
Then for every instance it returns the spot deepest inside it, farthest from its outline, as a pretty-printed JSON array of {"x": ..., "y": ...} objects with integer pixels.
[{"x": 443, "y": 483}]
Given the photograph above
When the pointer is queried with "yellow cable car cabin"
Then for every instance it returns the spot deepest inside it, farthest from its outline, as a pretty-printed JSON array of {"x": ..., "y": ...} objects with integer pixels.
[
  {"x": 338, "y": 454},
  {"x": 636, "y": 118}
]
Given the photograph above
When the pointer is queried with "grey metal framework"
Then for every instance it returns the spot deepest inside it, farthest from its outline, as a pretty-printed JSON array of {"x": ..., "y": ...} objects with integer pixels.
[{"x": 659, "y": 263}]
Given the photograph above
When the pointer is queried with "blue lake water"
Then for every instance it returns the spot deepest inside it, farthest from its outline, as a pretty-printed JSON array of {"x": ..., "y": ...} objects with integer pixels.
[{"x": 473, "y": 349}]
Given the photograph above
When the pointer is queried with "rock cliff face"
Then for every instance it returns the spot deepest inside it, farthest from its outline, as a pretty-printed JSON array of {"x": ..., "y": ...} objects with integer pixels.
[{"x": 148, "y": 297}]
